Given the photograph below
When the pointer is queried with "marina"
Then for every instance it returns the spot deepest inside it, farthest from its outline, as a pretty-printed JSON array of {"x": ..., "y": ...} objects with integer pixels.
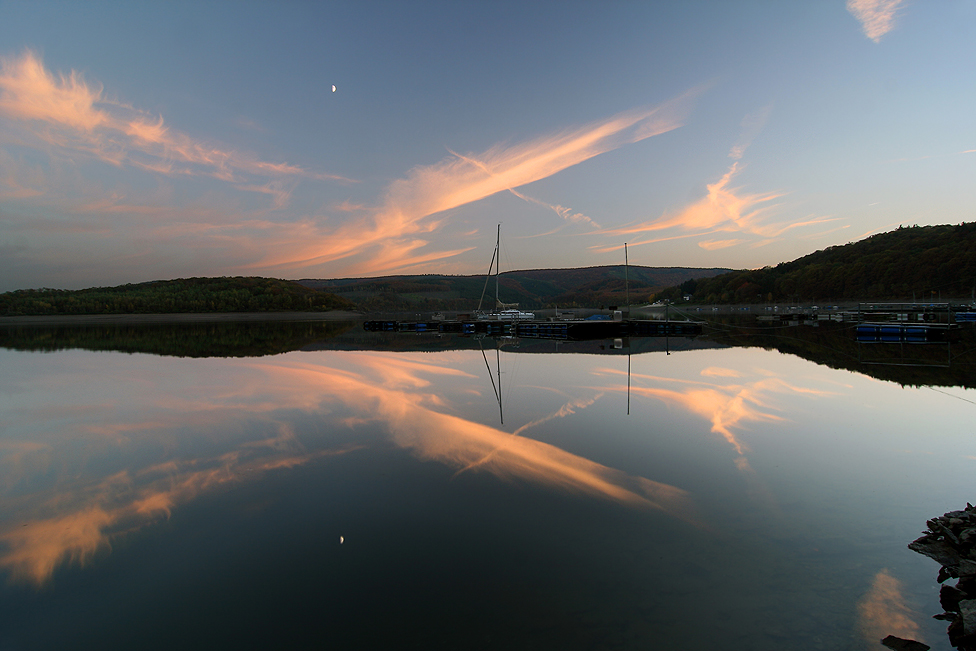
[{"x": 584, "y": 329}]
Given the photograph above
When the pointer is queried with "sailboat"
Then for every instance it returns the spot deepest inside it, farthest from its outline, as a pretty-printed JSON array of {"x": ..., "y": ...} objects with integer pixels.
[{"x": 502, "y": 311}]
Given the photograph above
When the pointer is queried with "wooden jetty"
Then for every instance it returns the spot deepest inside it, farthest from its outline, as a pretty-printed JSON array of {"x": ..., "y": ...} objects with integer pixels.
[{"x": 536, "y": 329}]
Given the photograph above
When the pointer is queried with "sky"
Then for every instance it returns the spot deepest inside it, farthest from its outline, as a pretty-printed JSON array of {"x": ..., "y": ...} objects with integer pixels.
[{"x": 156, "y": 140}]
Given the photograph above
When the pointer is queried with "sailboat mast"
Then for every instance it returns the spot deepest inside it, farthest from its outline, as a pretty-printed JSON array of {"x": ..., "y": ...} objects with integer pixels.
[
  {"x": 627, "y": 279},
  {"x": 487, "y": 278},
  {"x": 498, "y": 239}
]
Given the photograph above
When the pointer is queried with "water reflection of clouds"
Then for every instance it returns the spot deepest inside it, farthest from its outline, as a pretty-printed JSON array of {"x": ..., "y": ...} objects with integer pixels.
[
  {"x": 71, "y": 485},
  {"x": 455, "y": 441},
  {"x": 72, "y": 527},
  {"x": 883, "y": 611},
  {"x": 727, "y": 407}
]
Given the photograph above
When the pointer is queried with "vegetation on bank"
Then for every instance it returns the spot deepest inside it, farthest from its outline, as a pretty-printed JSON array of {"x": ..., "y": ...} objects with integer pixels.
[
  {"x": 237, "y": 294},
  {"x": 923, "y": 263}
]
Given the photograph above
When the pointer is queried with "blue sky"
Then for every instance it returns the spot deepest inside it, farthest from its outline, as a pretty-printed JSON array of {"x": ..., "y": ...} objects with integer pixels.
[{"x": 143, "y": 141}]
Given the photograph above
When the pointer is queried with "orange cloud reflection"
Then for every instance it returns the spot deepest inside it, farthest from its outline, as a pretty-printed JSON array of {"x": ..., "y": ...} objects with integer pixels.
[
  {"x": 726, "y": 407},
  {"x": 36, "y": 548},
  {"x": 460, "y": 443},
  {"x": 883, "y": 611},
  {"x": 75, "y": 519}
]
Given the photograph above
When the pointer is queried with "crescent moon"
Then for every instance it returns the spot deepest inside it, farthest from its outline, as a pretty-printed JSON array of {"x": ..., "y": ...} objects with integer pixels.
[{"x": 333, "y": 88}]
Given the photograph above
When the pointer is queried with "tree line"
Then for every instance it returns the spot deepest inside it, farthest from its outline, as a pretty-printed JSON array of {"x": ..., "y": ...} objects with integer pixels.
[
  {"x": 921, "y": 263},
  {"x": 226, "y": 294}
]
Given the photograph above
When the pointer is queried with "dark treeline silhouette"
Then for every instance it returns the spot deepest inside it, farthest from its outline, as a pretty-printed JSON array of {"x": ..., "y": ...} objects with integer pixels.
[
  {"x": 227, "y": 294},
  {"x": 921, "y": 263}
]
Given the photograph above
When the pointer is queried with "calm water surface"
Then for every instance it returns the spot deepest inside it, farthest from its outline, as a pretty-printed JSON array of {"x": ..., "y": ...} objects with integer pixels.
[{"x": 365, "y": 498}]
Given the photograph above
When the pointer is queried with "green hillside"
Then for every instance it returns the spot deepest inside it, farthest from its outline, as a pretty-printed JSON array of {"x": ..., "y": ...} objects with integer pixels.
[
  {"x": 536, "y": 288},
  {"x": 924, "y": 263},
  {"x": 238, "y": 294}
]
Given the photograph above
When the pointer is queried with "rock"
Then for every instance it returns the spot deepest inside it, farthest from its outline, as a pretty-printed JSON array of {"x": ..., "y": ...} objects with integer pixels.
[
  {"x": 901, "y": 644},
  {"x": 967, "y": 567},
  {"x": 949, "y": 598},
  {"x": 967, "y": 608},
  {"x": 941, "y": 552}
]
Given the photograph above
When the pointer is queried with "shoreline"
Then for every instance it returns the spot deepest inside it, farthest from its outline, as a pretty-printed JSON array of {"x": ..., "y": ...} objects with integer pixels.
[{"x": 180, "y": 317}]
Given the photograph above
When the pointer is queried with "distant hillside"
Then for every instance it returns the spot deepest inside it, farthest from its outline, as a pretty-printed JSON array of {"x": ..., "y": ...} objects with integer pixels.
[
  {"x": 535, "y": 288},
  {"x": 237, "y": 294},
  {"x": 924, "y": 263}
]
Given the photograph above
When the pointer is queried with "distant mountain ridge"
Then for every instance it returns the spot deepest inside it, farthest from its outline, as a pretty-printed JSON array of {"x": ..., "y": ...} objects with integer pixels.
[{"x": 532, "y": 288}]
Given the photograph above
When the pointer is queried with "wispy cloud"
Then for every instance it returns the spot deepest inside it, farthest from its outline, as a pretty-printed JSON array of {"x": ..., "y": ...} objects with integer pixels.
[
  {"x": 73, "y": 119},
  {"x": 877, "y": 17},
  {"x": 411, "y": 205},
  {"x": 715, "y": 245},
  {"x": 724, "y": 209},
  {"x": 752, "y": 124},
  {"x": 565, "y": 213},
  {"x": 76, "y": 118}
]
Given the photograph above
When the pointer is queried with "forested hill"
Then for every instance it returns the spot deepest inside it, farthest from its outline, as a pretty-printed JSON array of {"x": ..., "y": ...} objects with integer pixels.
[
  {"x": 925, "y": 263},
  {"x": 239, "y": 294},
  {"x": 535, "y": 288}
]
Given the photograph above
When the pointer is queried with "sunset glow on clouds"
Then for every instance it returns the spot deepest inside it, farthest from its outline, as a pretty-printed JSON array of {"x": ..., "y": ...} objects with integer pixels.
[
  {"x": 877, "y": 17},
  {"x": 144, "y": 165},
  {"x": 724, "y": 209},
  {"x": 76, "y": 119}
]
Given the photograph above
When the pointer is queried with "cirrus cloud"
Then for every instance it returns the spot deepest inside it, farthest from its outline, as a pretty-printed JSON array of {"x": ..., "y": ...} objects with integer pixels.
[
  {"x": 76, "y": 118},
  {"x": 877, "y": 17}
]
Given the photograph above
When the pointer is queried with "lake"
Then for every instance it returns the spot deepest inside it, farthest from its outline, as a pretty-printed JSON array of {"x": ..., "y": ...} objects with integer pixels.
[{"x": 313, "y": 486}]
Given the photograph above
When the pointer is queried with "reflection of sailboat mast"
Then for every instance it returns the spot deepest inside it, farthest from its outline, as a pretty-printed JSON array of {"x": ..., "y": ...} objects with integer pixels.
[
  {"x": 498, "y": 389},
  {"x": 628, "y": 380}
]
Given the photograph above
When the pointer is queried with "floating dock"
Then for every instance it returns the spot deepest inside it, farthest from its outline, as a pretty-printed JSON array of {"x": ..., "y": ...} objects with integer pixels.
[
  {"x": 901, "y": 333},
  {"x": 533, "y": 329}
]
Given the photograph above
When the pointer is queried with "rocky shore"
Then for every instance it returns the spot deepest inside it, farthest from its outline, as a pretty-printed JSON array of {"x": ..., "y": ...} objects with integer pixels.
[{"x": 951, "y": 542}]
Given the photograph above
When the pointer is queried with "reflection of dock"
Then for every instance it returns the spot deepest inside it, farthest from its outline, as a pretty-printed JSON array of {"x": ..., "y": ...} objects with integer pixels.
[
  {"x": 569, "y": 330},
  {"x": 901, "y": 332}
]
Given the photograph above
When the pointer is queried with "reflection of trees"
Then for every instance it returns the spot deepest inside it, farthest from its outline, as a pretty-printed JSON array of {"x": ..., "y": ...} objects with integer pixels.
[
  {"x": 834, "y": 344},
  {"x": 220, "y": 339}
]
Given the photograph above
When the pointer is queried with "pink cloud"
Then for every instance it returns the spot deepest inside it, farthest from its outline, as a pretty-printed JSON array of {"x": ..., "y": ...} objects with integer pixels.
[
  {"x": 877, "y": 17},
  {"x": 410, "y": 204},
  {"x": 67, "y": 112},
  {"x": 724, "y": 209},
  {"x": 714, "y": 245},
  {"x": 74, "y": 119}
]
